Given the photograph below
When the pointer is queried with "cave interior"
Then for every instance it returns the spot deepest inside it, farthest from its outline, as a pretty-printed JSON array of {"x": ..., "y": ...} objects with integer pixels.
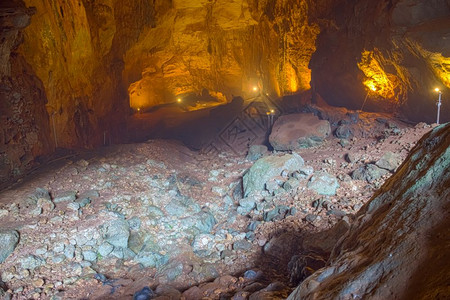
[{"x": 185, "y": 96}]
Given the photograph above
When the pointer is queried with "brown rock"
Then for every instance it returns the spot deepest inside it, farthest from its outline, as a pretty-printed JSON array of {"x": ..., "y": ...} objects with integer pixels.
[{"x": 297, "y": 131}]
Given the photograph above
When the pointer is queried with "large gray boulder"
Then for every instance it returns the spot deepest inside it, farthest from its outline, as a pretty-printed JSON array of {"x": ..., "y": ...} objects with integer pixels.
[
  {"x": 296, "y": 131},
  {"x": 397, "y": 246},
  {"x": 268, "y": 167},
  {"x": 8, "y": 242}
]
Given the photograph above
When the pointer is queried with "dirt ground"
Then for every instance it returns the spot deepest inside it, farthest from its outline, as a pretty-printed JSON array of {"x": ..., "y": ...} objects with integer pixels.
[{"x": 126, "y": 176}]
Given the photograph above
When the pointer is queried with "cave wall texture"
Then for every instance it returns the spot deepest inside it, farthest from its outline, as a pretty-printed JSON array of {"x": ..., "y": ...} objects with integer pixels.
[{"x": 72, "y": 69}]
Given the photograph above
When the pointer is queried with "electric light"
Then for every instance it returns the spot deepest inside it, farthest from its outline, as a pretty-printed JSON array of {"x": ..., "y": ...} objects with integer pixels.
[
  {"x": 255, "y": 88},
  {"x": 373, "y": 88},
  {"x": 272, "y": 111},
  {"x": 439, "y": 103},
  {"x": 138, "y": 109},
  {"x": 179, "y": 100}
]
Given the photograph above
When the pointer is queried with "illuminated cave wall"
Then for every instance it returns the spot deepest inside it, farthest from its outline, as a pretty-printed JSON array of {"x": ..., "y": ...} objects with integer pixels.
[
  {"x": 24, "y": 122},
  {"x": 95, "y": 58},
  {"x": 226, "y": 47},
  {"x": 76, "y": 48},
  {"x": 394, "y": 52}
]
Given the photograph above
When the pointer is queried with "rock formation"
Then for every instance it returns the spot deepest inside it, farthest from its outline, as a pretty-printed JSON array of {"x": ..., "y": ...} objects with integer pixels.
[
  {"x": 24, "y": 122},
  {"x": 394, "y": 53},
  {"x": 395, "y": 248},
  {"x": 88, "y": 65}
]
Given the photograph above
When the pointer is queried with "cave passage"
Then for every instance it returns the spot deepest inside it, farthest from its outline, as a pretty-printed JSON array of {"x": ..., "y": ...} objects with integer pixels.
[{"x": 220, "y": 149}]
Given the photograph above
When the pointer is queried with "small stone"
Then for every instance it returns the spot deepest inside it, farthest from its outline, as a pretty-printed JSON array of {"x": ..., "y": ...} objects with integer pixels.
[
  {"x": 68, "y": 196},
  {"x": 145, "y": 294},
  {"x": 311, "y": 218},
  {"x": 242, "y": 245},
  {"x": 344, "y": 143},
  {"x": 69, "y": 251},
  {"x": 134, "y": 223},
  {"x": 369, "y": 172},
  {"x": 38, "y": 282},
  {"x": 255, "y": 152},
  {"x": 89, "y": 255},
  {"x": 344, "y": 132},
  {"x": 336, "y": 212},
  {"x": 31, "y": 262},
  {"x": 58, "y": 247},
  {"x": 58, "y": 259},
  {"x": 105, "y": 249},
  {"x": 250, "y": 274},
  {"x": 82, "y": 163},
  {"x": 41, "y": 251}
]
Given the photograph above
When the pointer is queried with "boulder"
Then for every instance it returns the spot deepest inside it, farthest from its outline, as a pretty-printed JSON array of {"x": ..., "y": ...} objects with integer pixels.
[
  {"x": 323, "y": 183},
  {"x": 298, "y": 131},
  {"x": 116, "y": 233},
  {"x": 396, "y": 246},
  {"x": 268, "y": 167},
  {"x": 389, "y": 161},
  {"x": 344, "y": 131},
  {"x": 369, "y": 172},
  {"x": 8, "y": 242}
]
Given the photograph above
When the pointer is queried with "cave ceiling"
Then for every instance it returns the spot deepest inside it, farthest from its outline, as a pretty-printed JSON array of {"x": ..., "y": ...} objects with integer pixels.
[{"x": 100, "y": 60}]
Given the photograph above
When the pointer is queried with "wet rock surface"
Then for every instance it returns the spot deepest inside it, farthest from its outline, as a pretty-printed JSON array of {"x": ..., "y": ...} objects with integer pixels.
[{"x": 157, "y": 214}]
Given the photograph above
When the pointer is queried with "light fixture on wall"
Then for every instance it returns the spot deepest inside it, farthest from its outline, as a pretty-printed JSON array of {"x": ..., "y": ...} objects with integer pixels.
[
  {"x": 439, "y": 103},
  {"x": 373, "y": 89}
]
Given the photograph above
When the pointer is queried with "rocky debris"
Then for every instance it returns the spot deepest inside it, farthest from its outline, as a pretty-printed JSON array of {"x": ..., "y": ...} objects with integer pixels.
[
  {"x": 369, "y": 172},
  {"x": 255, "y": 152},
  {"x": 344, "y": 131},
  {"x": 323, "y": 183},
  {"x": 398, "y": 234},
  {"x": 145, "y": 294},
  {"x": 65, "y": 196},
  {"x": 291, "y": 132},
  {"x": 147, "y": 222},
  {"x": 8, "y": 242},
  {"x": 389, "y": 161},
  {"x": 116, "y": 233},
  {"x": 266, "y": 168}
]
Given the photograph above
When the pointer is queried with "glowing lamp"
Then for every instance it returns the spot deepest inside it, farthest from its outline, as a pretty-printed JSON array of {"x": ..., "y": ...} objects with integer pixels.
[
  {"x": 138, "y": 109},
  {"x": 373, "y": 88},
  {"x": 255, "y": 88},
  {"x": 272, "y": 111},
  {"x": 439, "y": 103},
  {"x": 179, "y": 100}
]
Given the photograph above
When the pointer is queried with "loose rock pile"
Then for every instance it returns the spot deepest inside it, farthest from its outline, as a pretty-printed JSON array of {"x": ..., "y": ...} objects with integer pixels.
[{"x": 156, "y": 214}]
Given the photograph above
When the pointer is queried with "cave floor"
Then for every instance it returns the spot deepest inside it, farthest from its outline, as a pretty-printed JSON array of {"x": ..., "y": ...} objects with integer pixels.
[{"x": 178, "y": 204}]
